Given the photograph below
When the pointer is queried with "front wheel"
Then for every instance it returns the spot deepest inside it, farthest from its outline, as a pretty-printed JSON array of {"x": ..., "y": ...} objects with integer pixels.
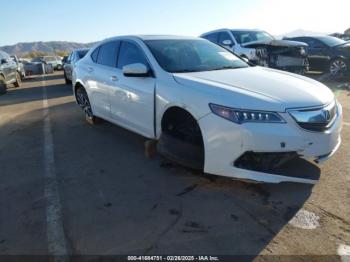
[
  {"x": 3, "y": 86},
  {"x": 84, "y": 103},
  {"x": 66, "y": 79},
  {"x": 18, "y": 82},
  {"x": 338, "y": 67}
]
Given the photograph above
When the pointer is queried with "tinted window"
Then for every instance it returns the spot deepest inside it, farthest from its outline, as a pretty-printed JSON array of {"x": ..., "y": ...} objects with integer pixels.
[
  {"x": 212, "y": 37},
  {"x": 192, "y": 56},
  {"x": 243, "y": 37},
  {"x": 130, "y": 54},
  {"x": 95, "y": 54},
  {"x": 82, "y": 53},
  {"x": 108, "y": 54},
  {"x": 223, "y": 37}
]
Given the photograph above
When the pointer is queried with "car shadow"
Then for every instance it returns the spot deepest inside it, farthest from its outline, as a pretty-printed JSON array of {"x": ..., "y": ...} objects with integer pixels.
[
  {"x": 117, "y": 201},
  {"x": 33, "y": 93}
]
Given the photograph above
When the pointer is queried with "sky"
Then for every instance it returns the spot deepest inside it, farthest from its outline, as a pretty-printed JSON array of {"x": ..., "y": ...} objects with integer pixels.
[{"x": 93, "y": 20}]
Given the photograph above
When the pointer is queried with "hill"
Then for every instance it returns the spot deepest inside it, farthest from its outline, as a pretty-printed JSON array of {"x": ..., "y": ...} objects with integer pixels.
[{"x": 22, "y": 49}]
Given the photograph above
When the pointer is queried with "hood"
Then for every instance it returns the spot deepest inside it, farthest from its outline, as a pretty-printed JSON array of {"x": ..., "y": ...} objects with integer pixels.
[
  {"x": 275, "y": 43},
  {"x": 259, "y": 88}
]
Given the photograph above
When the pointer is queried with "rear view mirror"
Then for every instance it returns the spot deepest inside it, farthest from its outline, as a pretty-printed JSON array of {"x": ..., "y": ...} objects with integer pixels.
[
  {"x": 136, "y": 70},
  {"x": 3, "y": 61}
]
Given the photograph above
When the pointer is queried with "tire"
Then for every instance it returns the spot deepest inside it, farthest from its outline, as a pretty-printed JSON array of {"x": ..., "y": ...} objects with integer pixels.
[
  {"x": 3, "y": 86},
  {"x": 181, "y": 141},
  {"x": 84, "y": 103},
  {"x": 66, "y": 79},
  {"x": 18, "y": 82},
  {"x": 338, "y": 67}
]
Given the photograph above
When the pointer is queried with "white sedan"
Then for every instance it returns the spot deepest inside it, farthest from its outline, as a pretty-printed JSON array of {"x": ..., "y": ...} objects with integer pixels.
[{"x": 207, "y": 108}]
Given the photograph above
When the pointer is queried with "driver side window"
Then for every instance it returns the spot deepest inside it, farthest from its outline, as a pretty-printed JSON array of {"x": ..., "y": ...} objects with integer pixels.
[
  {"x": 130, "y": 54},
  {"x": 224, "y": 36}
]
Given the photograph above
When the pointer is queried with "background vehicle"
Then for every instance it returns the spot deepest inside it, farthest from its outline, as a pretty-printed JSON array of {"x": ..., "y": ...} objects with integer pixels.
[
  {"x": 20, "y": 67},
  {"x": 207, "y": 108},
  {"x": 70, "y": 62},
  {"x": 8, "y": 72},
  {"x": 262, "y": 49},
  {"x": 52, "y": 60},
  {"x": 327, "y": 54}
]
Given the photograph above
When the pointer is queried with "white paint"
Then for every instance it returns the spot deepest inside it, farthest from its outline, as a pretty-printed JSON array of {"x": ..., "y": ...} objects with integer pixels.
[
  {"x": 55, "y": 234},
  {"x": 344, "y": 253},
  {"x": 305, "y": 219}
]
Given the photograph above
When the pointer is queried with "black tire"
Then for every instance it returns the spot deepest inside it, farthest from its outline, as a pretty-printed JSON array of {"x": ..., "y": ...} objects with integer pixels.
[
  {"x": 338, "y": 67},
  {"x": 84, "y": 102},
  {"x": 18, "y": 82},
  {"x": 181, "y": 141},
  {"x": 66, "y": 79},
  {"x": 3, "y": 86}
]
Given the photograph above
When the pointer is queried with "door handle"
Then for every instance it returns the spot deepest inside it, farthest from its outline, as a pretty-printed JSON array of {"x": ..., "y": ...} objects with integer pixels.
[
  {"x": 90, "y": 69},
  {"x": 114, "y": 78}
]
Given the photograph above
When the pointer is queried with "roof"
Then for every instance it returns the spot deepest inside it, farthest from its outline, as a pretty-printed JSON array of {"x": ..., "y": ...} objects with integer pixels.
[
  {"x": 228, "y": 29},
  {"x": 154, "y": 37}
]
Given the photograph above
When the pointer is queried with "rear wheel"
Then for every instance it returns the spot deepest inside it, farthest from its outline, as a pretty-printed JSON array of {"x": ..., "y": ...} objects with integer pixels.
[
  {"x": 181, "y": 139},
  {"x": 3, "y": 86},
  {"x": 84, "y": 103},
  {"x": 66, "y": 79},
  {"x": 338, "y": 67},
  {"x": 18, "y": 82}
]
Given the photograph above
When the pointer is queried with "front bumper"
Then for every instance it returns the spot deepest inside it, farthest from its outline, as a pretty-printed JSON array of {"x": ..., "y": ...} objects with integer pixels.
[{"x": 225, "y": 142}]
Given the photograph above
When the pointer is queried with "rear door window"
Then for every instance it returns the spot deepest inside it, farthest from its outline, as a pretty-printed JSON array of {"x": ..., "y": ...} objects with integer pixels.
[{"x": 94, "y": 54}]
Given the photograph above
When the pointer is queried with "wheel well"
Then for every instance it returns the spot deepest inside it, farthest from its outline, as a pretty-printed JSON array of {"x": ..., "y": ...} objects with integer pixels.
[
  {"x": 179, "y": 117},
  {"x": 76, "y": 87}
]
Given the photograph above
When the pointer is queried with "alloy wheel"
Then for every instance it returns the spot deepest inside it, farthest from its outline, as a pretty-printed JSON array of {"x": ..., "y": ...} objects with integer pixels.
[
  {"x": 83, "y": 102},
  {"x": 338, "y": 67}
]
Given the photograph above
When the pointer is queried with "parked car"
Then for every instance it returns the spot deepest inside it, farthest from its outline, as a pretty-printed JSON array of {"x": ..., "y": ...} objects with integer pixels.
[
  {"x": 55, "y": 61},
  {"x": 262, "y": 49},
  {"x": 206, "y": 107},
  {"x": 8, "y": 72},
  {"x": 345, "y": 37},
  {"x": 327, "y": 54},
  {"x": 20, "y": 67},
  {"x": 70, "y": 62}
]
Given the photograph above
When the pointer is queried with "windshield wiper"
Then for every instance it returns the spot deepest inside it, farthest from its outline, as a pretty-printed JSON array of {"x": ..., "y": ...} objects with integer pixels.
[{"x": 225, "y": 67}]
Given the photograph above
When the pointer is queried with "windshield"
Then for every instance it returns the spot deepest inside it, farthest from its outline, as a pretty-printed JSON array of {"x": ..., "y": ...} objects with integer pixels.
[
  {"x": 244, "y": 37},
  {"x": 192, "y": 55},
  {"x": 332, "y": 41},
  {"x": 82, "y": 53}
]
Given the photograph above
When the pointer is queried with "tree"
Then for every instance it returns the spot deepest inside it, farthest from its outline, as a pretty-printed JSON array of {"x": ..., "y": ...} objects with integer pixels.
[{"x": 35, "y": 54}]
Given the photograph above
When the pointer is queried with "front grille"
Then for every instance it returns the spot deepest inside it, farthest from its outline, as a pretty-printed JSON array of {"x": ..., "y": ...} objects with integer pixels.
[{"x": 316, "y": 119}]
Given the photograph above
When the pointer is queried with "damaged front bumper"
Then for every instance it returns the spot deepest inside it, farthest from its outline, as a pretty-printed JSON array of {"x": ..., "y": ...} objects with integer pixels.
[
  {"x": 281, "y": 54},
  {"x": 227, "y": 143}
]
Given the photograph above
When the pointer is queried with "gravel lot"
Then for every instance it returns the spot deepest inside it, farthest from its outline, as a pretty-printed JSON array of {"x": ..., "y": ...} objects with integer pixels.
[{"x": 66, "y": 186}]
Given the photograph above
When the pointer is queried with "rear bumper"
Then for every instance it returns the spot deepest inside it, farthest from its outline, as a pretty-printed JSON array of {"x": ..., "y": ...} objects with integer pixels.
[{"x": 225, "y": 142}]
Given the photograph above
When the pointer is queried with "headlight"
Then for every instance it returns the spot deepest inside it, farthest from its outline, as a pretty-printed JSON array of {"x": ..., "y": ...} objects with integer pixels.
[{"x": 241, "y": 116}]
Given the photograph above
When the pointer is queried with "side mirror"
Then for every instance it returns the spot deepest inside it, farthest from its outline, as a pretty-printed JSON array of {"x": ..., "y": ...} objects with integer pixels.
[
  {"x": 136, "y": 70},
  {"x": 3, "y": 61},
  {"x": 228, "y": 43},
  {"x": 245, "y": 59}
]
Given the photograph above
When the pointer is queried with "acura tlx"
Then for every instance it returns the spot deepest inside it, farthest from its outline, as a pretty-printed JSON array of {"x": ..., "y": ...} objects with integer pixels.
[{"x": 207, "y": 108}]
